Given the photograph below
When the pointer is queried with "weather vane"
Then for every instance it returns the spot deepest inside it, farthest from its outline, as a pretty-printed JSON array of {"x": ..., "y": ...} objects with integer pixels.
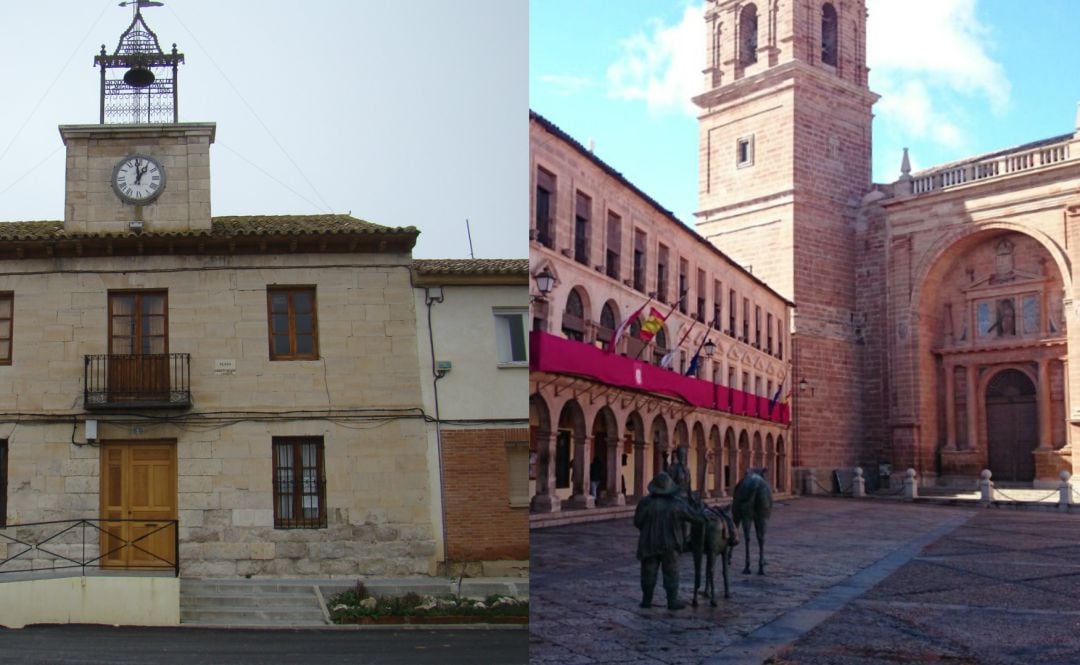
[{"x": 147, "y": 90}]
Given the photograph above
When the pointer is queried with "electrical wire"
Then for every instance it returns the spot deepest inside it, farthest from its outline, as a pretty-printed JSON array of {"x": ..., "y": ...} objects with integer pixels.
[
  {"x": 225, "y": 76},
  {"x": 45, "y": 94}
]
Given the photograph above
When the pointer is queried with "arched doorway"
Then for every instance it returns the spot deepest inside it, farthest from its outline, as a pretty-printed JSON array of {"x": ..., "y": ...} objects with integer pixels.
[{"x": 1012, "y": 426}]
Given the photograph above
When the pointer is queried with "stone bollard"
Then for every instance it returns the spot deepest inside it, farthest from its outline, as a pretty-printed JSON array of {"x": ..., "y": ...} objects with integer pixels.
[
  {"x": 986, "y": 488},
  {"x": 911, "y": 489},
  {"x": 1064, "y": 493},
  {"x": 858, "y": 484},
  {"x": 808, "y": 483}
]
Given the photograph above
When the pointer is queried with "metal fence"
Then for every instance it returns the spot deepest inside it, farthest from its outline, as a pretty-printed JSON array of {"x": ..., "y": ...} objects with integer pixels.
[{"x": 57, "y": 545}]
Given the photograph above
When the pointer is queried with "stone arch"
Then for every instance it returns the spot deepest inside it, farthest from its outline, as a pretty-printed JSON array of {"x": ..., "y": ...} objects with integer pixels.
[
  {"x": 608, "y": 322},
  {"x": 699, "y": 459},
  {"x": 748, "y": 35},
  {"x": 781, "y": 465},
  {"x": 575, "y": 314},
  {"x": 770, "y": 459},
  {"x": 744, "y": 455},
  {"x": 758, "y": 460},
  {"x": 570, "y": 444},
  {"x": 633, "y": 462},
  {"x": 1011, "y": 422},
  {"x": 934, "y": 321},
  {"x": 730, "y": 460},
  {"x": 829, "y": 32},
  {"x": 716, "y": 457},
  {"x": 604, "y": 465},
  {"x": 541, "y": 456},
  {"x": 659, "y": 438}
]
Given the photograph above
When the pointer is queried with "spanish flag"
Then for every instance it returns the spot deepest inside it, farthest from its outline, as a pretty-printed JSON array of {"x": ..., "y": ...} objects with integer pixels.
[{"x": 653, "y": 323}]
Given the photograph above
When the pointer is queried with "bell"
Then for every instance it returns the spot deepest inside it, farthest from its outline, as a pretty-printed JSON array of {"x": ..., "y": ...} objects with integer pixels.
[{"x": 139, "y": 77}]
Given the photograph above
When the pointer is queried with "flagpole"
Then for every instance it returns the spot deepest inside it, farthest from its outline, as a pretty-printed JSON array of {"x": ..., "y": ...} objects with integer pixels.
[{"x": 670, "y": 312}]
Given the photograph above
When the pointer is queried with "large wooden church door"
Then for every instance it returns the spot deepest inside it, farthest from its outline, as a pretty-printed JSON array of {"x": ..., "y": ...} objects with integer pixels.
[
  {"x": 138, "y": 482},
  {"x": 1012, "y": 426}
]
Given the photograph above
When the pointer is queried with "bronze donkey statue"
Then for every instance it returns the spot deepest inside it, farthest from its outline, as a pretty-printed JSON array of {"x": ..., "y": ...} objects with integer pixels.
[
  {"x": 752, "y": 502},
  {"x": 713, "y": 539}
]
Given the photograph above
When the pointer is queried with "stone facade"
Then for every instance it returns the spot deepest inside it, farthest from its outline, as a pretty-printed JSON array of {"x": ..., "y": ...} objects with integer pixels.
[
  {"x": 611, "y": 248},
  {"x": 932, "y": 311},
  {"x": 377, "y": 491},
  {"x": 183, "y": 149}
]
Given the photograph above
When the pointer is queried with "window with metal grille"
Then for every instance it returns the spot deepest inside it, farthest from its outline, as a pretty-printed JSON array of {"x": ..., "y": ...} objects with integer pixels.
[
  {"x": 3, "y": 481},
  {"x": 299, "y": 483},
  {"x": 293, "y": 327},
  {"x": 7, "y": 315}
]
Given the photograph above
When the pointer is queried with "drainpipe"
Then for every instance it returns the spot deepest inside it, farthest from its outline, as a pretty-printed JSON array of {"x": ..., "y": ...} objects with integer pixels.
[{"x": 430, "y": 298}]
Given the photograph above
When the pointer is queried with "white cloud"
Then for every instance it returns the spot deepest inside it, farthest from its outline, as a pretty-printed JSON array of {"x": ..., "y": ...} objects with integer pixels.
[
  {"x": 924, "y": 53},
  {"x": 566, "y": 85},
  {"x": 662, "y": 66}
]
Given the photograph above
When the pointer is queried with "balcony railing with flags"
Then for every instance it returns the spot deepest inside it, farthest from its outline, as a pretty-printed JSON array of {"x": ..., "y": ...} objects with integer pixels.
[
  {"x": 549, "y": 353},
  {"x": 159, "y": 381}
]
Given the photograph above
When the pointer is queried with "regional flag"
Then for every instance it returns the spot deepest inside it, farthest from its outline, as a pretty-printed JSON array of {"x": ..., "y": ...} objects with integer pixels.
[{"x": 653, "y": 323}]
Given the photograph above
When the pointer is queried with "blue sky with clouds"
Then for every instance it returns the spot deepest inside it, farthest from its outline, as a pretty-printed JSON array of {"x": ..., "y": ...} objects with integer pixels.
[{"x": 956, "y": 77}]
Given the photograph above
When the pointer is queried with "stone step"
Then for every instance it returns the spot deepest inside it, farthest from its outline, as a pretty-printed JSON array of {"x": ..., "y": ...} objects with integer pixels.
[
  {"x": 246, "y": 616},
  {"x": 248, "y": 603},
  {"x": 247, "y": 600}
]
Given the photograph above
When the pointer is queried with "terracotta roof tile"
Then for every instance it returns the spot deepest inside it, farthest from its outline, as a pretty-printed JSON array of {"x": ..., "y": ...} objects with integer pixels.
[
  {"x": 471, "y": 266},
  {"x": 249, "y": 225}
]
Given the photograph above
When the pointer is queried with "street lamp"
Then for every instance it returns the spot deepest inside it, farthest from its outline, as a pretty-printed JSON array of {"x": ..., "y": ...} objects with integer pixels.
[
  {"x": 545, "y": 281},
  {"x": 710, "y": 348}
]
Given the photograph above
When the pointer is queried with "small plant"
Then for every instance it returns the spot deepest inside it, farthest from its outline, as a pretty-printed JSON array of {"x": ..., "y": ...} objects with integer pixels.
[{"x": 358, "y": 604}]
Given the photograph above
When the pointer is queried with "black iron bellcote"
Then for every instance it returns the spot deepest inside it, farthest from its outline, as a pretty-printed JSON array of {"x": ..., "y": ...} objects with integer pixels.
[{"x": 139, "y": 80}]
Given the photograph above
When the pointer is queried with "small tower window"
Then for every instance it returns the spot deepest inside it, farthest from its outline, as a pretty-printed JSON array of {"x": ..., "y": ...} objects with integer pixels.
[
  {"x": 744, "y": 151},
  {"x": 748, "y": 40},
  {"x": 828, "y": 34}
]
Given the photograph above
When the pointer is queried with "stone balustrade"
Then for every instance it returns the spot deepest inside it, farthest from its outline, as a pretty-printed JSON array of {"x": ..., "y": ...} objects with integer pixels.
[{"x": 1024, "y": 158}]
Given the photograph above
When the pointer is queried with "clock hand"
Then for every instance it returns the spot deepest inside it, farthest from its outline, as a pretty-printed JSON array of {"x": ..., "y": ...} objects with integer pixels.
[{"x": 138, "y": 172}]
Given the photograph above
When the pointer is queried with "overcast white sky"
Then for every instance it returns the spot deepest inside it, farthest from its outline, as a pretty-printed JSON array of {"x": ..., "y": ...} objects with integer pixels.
[{"x": 404, "y": 113}]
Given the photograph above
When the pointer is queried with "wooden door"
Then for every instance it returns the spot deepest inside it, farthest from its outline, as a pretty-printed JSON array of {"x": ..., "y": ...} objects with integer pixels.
[
  {"x": 1012, "y": 428},
  {"x": 138, "y": 482}
]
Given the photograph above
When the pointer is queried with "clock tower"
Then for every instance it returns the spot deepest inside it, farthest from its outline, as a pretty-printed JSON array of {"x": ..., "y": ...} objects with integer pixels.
[
  {"x": 139, "y": 168},
  {"x": 784, "y": 162}
]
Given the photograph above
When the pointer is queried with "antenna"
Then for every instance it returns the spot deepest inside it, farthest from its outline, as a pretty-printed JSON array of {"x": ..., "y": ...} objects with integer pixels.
[{"x": 469, "y": 233}]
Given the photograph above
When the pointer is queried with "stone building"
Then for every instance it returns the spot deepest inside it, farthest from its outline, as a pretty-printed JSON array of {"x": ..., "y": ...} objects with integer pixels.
[
  {"x": 937, "y": 318},
  {"x": 471, "y": 317},
  {"x": 603, "y": 423},
  {"x": 222, "y": 396}
]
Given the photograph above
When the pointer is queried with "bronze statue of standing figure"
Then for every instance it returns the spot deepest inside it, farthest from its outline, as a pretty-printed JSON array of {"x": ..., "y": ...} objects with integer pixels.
[{"x": 659, "y": 518}]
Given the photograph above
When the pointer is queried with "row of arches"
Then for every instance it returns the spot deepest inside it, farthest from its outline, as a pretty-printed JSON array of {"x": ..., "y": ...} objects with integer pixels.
[
  {"x": 606, "y": 454},
  {"x": 748, "y": 34}
]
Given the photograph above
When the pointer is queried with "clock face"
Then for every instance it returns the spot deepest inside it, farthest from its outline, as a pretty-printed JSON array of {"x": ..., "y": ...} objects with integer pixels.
[{"x": 138, "y": 179}]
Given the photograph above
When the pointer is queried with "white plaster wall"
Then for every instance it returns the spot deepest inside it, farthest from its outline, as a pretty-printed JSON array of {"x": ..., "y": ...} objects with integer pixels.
[{"x": 129, "y": 601}]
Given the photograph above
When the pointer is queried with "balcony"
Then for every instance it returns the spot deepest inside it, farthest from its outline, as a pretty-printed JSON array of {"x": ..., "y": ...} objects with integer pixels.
[
  {"x": 549, "y": 353},
  {"x": 160, "y": 381}
]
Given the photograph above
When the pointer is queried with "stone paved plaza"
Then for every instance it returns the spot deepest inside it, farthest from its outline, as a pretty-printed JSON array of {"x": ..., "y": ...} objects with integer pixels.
[{"x": 848, "y": 582}]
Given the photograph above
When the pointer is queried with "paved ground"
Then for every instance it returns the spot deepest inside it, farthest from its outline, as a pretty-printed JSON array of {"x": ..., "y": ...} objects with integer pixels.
[
  {"x": 81, "y": 645},
  {"x": 848, "y": 582}
]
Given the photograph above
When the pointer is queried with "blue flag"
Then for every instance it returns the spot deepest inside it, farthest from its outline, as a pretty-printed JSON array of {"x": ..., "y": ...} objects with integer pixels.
[{"x": 776, "y": 397}]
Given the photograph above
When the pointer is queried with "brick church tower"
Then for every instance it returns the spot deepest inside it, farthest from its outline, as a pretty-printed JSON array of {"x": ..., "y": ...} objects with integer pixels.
[{"x": 785, "y": 160}]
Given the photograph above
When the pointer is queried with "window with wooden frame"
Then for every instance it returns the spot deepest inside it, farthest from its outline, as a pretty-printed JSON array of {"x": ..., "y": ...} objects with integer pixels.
[
  {"x": 3, "y": 481},
  {"x": 293, "y": 323},
  {"x": 138, "y": 323},
  {"x": 299, "y": 482},
  {"x": 7, "y": 316}
]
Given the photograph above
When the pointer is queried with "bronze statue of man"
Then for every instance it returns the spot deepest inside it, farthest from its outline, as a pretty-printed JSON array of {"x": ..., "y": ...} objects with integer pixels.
[
  {"x": 680, "y": 473},
  {"x": 659, "y": 518}
]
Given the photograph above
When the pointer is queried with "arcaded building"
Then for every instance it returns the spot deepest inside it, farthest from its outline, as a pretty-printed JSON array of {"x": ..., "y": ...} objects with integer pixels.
[
  {"x": 604, "y": 420},
  {"x": 936, "y": 326}
]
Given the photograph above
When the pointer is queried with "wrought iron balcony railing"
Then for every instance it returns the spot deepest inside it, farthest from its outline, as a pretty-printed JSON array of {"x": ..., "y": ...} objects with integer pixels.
[
  {"x": 61, "y": 545},
  {"x": 138, "y": 381}
]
